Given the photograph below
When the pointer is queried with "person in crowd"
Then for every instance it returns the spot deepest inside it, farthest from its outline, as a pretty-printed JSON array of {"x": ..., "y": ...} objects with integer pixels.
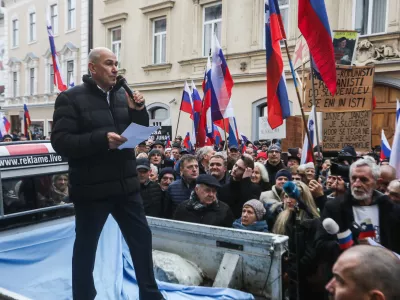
[
  {"x": 295, "y": 174},
  {"x": 153, "y": 173},
  {"x": 388, "y": 174},
  {"x": 24, "y": 138},
  {"x": 347, "y": 155},
  {"x": 240, "y": 188},
  {"x": 233, "y": 156},
  {"x": 336, "y": 181},
  {"x": 260, "y": 177},
  {"x": 294, "y": 156},
  {"x": 249, "y": 145},
  {"x": 166, "y": 177},
  {"x": 310, "y": 171},
  {"x": 155, "y": 157},
  {"x": 59, "y": 189},
  {"x": 7, "y": 138},
  {"x": 274, "y": 162},
  {"x": 299, "y": 205},
  {"x": 393, "y": 191},
  {"x": 142, "y": 155},
  {"x": 141, "y": 148},
  {"x": 252, "y": 217},
  {"x": 175, "y": 156},
  {"x": 264, "y": 147},
  {"x": 203, "y": 157},
  {"x": 178, "y": 141},
  {"x": 325, "y": 166},
  {"x": 362, "y": 212},
  {"x": 87, "y": 122},
  {"x": 203, "y": 205},
  {"x": 167, "y": 153},
  {"x": 250, "y": 151},
  {"x": 218, "y": 168},
  {"x": 262, "y": 157},
  {"x": 365, "y": 272},
  {"x": 149, "y": 190},
  {"x": 165, "y": 162},
  {"x": 180, "y": 190}
]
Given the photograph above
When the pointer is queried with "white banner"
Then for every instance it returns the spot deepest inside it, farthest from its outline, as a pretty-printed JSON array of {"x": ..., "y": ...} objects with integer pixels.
[{"x": 265, "y": 132}]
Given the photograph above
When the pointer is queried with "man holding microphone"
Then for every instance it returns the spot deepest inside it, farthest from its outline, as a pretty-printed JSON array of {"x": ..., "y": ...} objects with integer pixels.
[{"x": 87, "y": 123}]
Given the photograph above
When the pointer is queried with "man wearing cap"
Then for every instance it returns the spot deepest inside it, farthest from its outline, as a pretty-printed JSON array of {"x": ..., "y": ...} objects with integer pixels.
[
  {"x": 166, "y": 177},
  {"x": 150, "y": 191},
  {"x": 337, "y": 180},
  {"x": 233, "y": 156},
  {"x": 293, "y": 157},
  {"x": 165, "y": 162},
  {"x": 203, "y": 206},
  {"x": 274, "y": 163}
]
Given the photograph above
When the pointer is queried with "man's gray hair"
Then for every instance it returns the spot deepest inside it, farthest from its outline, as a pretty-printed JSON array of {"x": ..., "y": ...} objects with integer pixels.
[
  {"x": 377, "y": 269},
  {"x": 203, "y": 152},
  {"x": 220, "y": 156},
  {"x": 366, "y": 162},
  {"x": 154, "y": 169}
]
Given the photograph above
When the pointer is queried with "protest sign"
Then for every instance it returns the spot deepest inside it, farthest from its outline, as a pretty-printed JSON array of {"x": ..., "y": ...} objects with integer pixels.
[
  {"x": 340, "y": 129},
  {"x": 265, "y": 132},
  {"x": 354, "y": 90},
  {"x": 344, "y": 45},
  {"x": 162, "y": 134}
]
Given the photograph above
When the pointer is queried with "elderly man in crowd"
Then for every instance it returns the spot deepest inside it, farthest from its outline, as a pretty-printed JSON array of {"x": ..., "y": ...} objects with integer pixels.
[
  {"x": 203, "y": 157},
  {"x": 181, "y": 189},
  {"x": 274, "y": 163},
  {"x": 240, "y": 188},
  {"x": 362, "y": 212},
  {"x": 393, "y": 191},
  {"x": 218, "y": 168},
  {"x": 388, "y": 173},
  {"x": 203, "y": 206},
  {"x": 365, "y": 272}
]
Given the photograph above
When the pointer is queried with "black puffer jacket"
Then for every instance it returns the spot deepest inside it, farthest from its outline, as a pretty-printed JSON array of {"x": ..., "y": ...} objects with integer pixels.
[
  {"x": 82, "y": 118},
  {"x": 153, "y": 199}
]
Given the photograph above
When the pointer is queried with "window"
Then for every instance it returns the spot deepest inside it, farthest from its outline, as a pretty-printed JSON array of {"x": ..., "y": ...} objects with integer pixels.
[
  {"x": 32, "y": 27},
  {"x": 70, "y": 72},
  {"x": 15, "y": 36},
  {"x": 15, "y": 84},
  {"x": 116, "y": 42},
  {"x": 71, "y": 14},
  {"x": 159, "y": 41},
  {"x": 54, "y": 18},
  {"x": 370, "y": 16},
  {"x": 212, "y": 20},
  {"x": 159, "y": 116},
  {"x": 51, "y": 79},
  {"x": 31, "y": 81}
]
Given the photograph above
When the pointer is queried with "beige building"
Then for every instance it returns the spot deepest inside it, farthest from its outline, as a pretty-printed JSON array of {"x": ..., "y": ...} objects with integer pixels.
[
  {"x": 163, "y": 43},
  {"x": 29, "y": 73}
]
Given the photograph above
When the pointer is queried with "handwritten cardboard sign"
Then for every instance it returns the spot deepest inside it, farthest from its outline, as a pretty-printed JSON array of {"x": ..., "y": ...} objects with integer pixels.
[
  {"x": 354, "y": 90},
  {"x": 340, "y": 129}
]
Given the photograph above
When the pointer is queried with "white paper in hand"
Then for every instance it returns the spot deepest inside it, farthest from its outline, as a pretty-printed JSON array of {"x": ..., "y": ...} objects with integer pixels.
[{"x": 135, "y": 134}]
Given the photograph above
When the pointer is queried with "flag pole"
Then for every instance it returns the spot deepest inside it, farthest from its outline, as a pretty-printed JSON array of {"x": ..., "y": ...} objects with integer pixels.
[
  {"x": 226, "y": 140},
  {"x": 315, "y": 110},
  {"x": 179, "y": 116},
  {"x": 298, "y": 98}
]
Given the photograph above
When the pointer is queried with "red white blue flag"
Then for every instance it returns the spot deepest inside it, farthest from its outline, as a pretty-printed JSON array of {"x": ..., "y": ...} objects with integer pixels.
[
  {"x": 187, "y": 143},
  {"x": 277, "y": 96},
  {"x": 314, "y": 25},
  {"x": 197, "y": 105},
  {"x": 186, "y": 103},
  {"x": 221, "y": 85},
  {"x": 307, "y": 153},
  {"x": 205, "y": 129},
  {"x": 58, "y": 82},
  {"x": 385, "y": 147}
]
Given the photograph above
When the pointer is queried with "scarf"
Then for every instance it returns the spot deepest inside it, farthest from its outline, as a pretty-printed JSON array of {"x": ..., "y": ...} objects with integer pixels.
[
  {"x": 195, "y": 204},
  {"x": 260, "y": 226}
]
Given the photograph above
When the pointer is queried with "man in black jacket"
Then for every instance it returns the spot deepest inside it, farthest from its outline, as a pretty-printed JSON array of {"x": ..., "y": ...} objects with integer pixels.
[
  {"x": 240, "y": 189},
  {"x": 372, "y": 212},
  {"x": 203, "y": 206},
  {"x": 274, "y": 162},
  {"x": 87, "y": 123}
]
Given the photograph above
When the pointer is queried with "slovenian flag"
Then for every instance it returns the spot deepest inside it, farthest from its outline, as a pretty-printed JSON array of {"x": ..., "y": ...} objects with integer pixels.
[
  {"x": 27, "y": 122},
  {"x": 186, "y": 103},
  {"x": 367, "y": 230},
  {"x": 58, "y": 82},
  {"x": 385, "y": 147},
  {"x": 168, "y": 143},
  {"x": 233, "y": 133},
  {"x": 307, "y": 153},
  {"x": 345, "y": 239},
  {"x": 187, "y": 143},
  {"x": 277, "y": 96},
  {"x": 197, "y": 105},
  {"x": 4, "y": 125},
  {"x": 205, "y": 130},
  {"x": 314, "y": 25},
  {"x": 221, "y": 85}
]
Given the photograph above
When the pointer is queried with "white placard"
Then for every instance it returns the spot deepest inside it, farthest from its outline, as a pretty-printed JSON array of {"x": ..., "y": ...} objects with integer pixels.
[{"x": 265, "y": 132}]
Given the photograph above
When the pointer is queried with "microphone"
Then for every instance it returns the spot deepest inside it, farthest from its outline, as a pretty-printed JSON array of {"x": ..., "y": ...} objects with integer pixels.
[
  {"x": 330, "y": 226},
  {"x": 122, "y": 81}
]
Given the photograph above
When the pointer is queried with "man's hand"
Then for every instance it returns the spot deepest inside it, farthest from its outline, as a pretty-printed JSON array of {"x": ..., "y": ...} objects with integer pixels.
[
  {"x": 115, "y": 140},
  {"x": 247, "y": 172},
  {"x": 339, "y": 185},
  {"x": 316, "y": 188},
  {"x": 138, "y": 99}
]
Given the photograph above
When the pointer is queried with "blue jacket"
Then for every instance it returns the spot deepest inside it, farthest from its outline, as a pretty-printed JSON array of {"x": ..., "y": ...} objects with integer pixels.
[{"x": 177, "y": 192}]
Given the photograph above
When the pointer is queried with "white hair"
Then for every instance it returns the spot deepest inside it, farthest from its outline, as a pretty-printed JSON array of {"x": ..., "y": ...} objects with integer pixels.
[
  {"x": 154, "y": 169},
  {"x": 369, "y": 162},
  {"x": 203, "y": 152},
  {"x": 263, "y": 171}
]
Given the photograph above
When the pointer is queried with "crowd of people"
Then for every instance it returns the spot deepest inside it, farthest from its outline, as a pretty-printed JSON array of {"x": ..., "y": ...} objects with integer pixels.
[{"x": 259, "y": 188}]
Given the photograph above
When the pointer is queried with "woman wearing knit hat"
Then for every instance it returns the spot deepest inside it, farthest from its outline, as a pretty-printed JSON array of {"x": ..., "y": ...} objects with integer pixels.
[
  {"x": 284, "y": 225},
  {"x": 252, "y": 217}
]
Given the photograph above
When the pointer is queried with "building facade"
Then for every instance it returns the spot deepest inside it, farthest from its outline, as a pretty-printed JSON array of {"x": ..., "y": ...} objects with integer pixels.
[
  {"x": 163, "y": 43},
  {"x": 29, "y": 72}
]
